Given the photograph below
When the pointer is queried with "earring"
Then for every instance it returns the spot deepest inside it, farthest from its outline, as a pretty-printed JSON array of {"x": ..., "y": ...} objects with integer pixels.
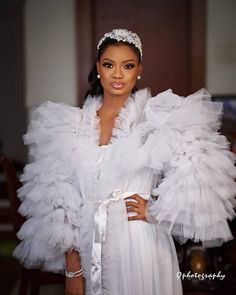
[
  {"x": 139, "y": 77},
  {"x": 98, "y": 76}
]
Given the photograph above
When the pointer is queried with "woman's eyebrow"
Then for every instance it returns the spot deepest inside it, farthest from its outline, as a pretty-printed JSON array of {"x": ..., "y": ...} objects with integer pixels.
[
  {"x": 124, "y": 61},
  {"x": 129, "y": 60},
  {"x": 108, "y": 59}
]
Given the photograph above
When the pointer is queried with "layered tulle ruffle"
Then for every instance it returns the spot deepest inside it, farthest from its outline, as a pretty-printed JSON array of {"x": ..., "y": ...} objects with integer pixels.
[
  {"x": 49, "y": 198},
  {"x": 69, "y": 174},
  {"x": 198, "y": 187}
]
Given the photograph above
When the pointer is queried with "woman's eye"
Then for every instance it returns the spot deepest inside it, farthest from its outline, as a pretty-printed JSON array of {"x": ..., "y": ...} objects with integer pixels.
[
  {"x": 129, "y": 66},
  {"x": 107, "y": 65}
]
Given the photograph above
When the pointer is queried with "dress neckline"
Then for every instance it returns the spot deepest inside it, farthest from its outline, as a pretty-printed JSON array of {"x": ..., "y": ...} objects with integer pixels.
[
  {"x": 121, "y": 122},
  {"x": 124, "y": 122}
]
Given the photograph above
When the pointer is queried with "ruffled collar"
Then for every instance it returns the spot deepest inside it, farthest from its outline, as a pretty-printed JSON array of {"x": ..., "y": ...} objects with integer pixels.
[{"x": 91, "y": 128}]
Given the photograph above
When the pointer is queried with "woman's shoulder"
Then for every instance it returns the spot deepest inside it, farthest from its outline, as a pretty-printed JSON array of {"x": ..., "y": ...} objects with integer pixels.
[
  {"x": 51, "y": 119},
  {"x": 170, "y": 99},
  {"x": 52, "y": 114},
  {"x": 178, "y": 111},
  {"x": 57, "y": 109},
  {"x": 91, "y": 103}
]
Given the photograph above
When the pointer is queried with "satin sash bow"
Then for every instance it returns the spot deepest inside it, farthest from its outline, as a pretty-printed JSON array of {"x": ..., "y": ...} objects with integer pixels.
[{"x": 99, "y": 236}]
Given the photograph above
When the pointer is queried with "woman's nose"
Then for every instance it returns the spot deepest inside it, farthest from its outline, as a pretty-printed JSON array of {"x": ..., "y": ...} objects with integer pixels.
[{"x": 118, "y": 73}]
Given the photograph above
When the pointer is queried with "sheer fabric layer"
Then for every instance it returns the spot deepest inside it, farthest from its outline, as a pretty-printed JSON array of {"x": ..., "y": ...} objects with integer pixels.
[
  {"x": 197, "y": 192},
  {"x": 166, "y": 145}
]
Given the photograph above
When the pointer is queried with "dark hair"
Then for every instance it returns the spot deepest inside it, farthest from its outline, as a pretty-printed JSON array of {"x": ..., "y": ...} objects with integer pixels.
[{"x": 95, "y": 86}]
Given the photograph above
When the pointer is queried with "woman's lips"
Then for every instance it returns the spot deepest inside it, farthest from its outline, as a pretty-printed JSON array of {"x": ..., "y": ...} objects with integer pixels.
[{"x": 117, "y": 85}]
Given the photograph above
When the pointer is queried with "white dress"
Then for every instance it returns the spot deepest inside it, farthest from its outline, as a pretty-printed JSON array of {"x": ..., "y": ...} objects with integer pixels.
[{"x": 74, "y": 189}]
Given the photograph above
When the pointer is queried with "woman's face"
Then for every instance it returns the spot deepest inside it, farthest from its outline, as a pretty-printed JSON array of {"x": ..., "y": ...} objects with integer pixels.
[{"x": 118, "y": 68}]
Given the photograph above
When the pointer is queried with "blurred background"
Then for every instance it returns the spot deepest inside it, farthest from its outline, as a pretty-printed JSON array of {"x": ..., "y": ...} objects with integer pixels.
[{"x": 47, "y": 48}]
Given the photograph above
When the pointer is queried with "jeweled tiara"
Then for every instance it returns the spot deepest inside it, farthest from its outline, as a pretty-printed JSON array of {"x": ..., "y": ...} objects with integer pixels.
[{"x": 124, "y": 36}]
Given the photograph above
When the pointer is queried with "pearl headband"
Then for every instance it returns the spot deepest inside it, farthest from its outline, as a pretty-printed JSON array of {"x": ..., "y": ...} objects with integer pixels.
[{"x": 124, "y": 36}]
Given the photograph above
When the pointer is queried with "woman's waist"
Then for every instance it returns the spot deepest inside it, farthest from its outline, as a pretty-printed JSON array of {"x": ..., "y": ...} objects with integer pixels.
[{"x": 115, "y": 195}]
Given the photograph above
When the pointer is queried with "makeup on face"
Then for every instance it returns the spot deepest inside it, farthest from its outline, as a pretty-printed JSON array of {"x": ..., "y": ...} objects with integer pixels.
[{"x": 118, "y": 68}]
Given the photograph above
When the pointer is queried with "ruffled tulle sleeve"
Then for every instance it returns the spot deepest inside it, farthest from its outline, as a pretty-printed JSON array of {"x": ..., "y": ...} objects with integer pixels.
[
  {"x": 197, "y": 191},
  {"x": 50, "y": 200}
]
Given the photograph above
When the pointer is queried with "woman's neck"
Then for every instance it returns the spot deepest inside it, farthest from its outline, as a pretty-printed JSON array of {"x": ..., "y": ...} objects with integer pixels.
[{"x": 113, "y": 103}]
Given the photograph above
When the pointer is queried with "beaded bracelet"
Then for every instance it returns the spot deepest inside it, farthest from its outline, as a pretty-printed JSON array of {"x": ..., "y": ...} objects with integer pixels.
[{"x": 71, "y": 274}]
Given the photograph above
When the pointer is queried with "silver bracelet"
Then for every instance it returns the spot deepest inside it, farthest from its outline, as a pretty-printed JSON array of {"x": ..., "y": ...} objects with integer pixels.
[{"x": 71, "y": 274}]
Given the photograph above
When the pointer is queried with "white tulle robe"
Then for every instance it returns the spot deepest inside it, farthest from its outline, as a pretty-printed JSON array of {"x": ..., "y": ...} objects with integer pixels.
[{"x": 164, "y": 145}]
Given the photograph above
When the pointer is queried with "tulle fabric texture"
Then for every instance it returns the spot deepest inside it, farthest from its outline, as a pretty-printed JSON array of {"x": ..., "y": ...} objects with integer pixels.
[
  {"x": 197, "y": 192},
  {"x": 50, "y": 198},
  {"x": 167, "y": 145}
]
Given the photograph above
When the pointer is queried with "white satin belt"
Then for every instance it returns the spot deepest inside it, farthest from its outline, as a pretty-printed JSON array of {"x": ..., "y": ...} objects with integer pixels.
[{"x": 99, "y": 236}]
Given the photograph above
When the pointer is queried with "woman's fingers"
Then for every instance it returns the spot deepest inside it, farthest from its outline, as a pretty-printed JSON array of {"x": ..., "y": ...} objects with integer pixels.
[
  {"x": 133, "y": 209},
  {"x": 135, "y": 197},
  {"x": 138, "y": 205},
  {"x": 132, "y": 204}
]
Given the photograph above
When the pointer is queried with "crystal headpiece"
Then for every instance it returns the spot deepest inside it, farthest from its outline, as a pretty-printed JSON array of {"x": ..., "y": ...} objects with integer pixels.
[{"x": 124, "y": 36}]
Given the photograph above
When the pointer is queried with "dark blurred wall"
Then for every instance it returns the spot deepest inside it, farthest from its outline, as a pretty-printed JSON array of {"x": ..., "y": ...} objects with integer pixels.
[{"x": 12, "y": 106}]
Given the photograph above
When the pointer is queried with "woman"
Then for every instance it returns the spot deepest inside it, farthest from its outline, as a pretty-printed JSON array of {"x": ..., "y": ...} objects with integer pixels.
[{"x": 111, "y": 182}]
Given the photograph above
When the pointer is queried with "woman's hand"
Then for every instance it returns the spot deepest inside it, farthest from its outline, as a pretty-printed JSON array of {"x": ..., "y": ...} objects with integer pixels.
[
  {"x": 75, "y": 286},
  {"x": 138, "y": 206}
]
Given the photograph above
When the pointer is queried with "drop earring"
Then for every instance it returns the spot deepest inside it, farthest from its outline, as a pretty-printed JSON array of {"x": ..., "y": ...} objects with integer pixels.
[
  {"x": 98, "y": 76},
  {"x": 139, "y": 77}
]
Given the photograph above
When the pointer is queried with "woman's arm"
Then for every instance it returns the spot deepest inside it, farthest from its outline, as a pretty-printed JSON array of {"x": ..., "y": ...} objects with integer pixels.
[
  {"x": 50, "y": 199},
  {"x": 76, "y": 285},
  {"x": 196, "y": 194}
]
